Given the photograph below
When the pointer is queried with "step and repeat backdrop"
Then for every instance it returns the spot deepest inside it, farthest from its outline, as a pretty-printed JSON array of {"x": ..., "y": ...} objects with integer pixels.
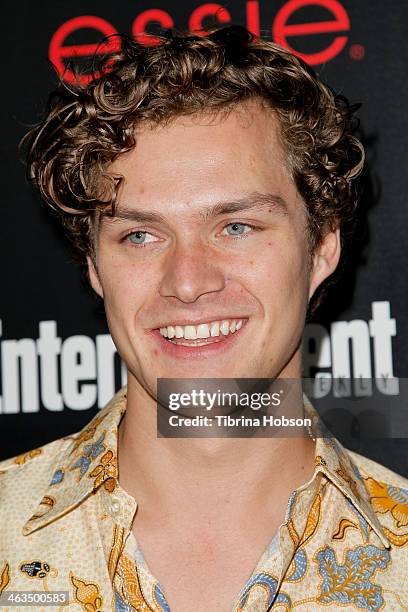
[{"x": 58, "y": 363}]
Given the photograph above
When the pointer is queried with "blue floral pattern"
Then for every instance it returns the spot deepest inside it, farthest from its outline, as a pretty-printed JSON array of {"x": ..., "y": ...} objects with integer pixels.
[
  {"x": 57, "y": 477},
  {"x": 350, "y": 583},
  {"x": 300, "y": 566},
  {"x": 91, "y": 452}
]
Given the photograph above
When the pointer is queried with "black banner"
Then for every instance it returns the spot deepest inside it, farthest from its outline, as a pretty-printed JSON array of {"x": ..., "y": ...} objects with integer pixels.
[{"x": 58, "y": 363}]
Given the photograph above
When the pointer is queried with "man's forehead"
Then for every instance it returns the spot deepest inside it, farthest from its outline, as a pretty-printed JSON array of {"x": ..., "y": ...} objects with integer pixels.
[
  {"x": 198, "y": 181},
  {"x": 249, "y": 126}
]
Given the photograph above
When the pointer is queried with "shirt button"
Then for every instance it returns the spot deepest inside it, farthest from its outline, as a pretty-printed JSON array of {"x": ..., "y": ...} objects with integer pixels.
[{"x": 115, "y": 506}]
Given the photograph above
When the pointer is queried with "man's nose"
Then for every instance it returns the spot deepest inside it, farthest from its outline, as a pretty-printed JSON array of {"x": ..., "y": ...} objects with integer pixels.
[{"x": 191, "y": 271}]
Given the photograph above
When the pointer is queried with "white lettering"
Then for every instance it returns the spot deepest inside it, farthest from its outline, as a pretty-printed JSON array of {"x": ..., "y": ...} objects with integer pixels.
[
  {"x": 19, "y": 363},
  {"x": 79, "y": 372},
  {"x": 78, "y": 363},
  {"x": 49, "y": 349},
  {"x": 317, "y": 354},
  {"x": 105, "y": 359},
  {"x": 382, "y": 329},
  {"x": 342, "y": 332}
]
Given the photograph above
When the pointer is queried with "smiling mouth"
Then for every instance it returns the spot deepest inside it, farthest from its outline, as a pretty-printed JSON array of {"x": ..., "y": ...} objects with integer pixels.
[{"x": 203, "y": 333}]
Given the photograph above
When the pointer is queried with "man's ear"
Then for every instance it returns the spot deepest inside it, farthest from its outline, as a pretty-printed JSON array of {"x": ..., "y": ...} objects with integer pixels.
[
  {"x": 325, "y": 259},
  {"x": 94, "y": 277}
]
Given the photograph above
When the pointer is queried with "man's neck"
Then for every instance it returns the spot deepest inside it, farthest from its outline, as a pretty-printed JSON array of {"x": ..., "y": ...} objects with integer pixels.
[{"x": 187, "y": 473}]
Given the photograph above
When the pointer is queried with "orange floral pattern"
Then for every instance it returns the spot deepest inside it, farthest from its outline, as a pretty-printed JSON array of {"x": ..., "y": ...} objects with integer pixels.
[
  {"x": 87, "y": 594},
  {"x": 386, "y": 498},
  {"x": 344, "y": 539},
  {"x": 105, "y": 472}
]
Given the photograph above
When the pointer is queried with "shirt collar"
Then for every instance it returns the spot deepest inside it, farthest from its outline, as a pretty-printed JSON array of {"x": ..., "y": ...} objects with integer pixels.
[
  {"x": 88, "y": 461},
  {"x": 332, "y": 460}
]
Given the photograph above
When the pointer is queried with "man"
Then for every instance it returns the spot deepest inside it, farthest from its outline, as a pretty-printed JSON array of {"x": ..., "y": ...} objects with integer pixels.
[{"x": 207, "y": 182}]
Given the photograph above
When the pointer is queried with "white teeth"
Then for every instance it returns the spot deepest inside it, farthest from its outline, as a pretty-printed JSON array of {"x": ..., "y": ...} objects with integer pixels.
[
  {"x": 190, "y": 332},
  {"x": 202, "y": 330},
  {"x": 179, "y": 331},
  {"x": 224, "y": 327},
  {"x": 215, "y": 329}
]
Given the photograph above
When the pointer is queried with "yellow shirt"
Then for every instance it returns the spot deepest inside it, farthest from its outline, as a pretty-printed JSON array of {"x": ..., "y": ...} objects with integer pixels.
[{"x": 65, "y": 525}]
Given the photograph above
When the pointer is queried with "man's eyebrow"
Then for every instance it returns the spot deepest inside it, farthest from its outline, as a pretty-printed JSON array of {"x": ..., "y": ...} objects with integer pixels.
[
  {"x": 130, "y": 214},
  {"x": 255, "y": 200}
]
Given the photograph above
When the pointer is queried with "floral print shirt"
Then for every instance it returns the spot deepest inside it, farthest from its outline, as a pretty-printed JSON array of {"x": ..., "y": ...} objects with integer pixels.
[{"x": 65, "y": 525}]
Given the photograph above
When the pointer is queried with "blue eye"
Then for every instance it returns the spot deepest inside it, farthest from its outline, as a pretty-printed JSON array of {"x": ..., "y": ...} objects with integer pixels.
[
  {"x": 137, "y": 237},
  {"x": 238, "y": 228},
  {"x": 140, "y": 237}
]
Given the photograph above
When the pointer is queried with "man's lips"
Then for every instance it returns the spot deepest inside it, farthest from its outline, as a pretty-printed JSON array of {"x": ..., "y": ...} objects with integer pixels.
[
  {"x": 196, "y": 322},
  {"x": 200, "y": 348}
]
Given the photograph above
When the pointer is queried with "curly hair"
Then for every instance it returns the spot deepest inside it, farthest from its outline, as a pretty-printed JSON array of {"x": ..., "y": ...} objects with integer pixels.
[{"x": 88, "y": 126}]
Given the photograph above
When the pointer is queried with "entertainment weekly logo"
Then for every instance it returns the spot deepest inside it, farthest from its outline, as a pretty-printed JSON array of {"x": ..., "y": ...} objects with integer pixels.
[
  {"x": 80, "y": 372},
  {"x": 284, "y": 27}
]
